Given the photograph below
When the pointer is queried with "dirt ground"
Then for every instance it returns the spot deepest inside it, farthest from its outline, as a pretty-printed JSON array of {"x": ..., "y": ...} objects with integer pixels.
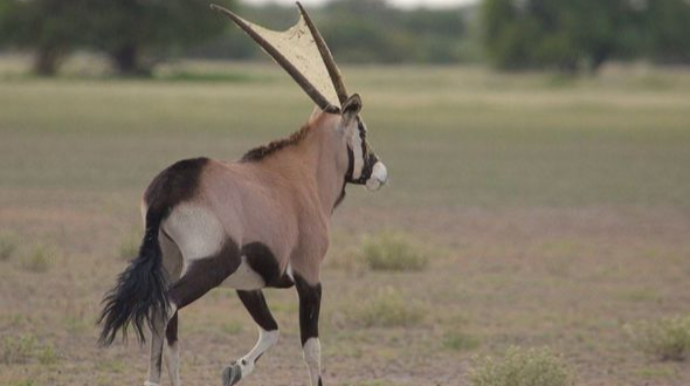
[{"x": 557, "y": 230}]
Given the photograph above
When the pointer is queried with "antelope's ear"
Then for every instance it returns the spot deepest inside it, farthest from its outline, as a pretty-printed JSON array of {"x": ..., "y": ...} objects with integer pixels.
[{"x": 351, "y": 108}]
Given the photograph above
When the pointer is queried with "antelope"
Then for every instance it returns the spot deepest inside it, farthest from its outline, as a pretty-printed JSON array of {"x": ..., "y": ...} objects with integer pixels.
[{"x": 260, "y": 222}]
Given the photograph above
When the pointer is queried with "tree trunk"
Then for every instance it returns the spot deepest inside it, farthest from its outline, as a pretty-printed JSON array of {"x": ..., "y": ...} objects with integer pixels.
[
  {"x": 127, "y": 61},
  {"x": 47, "y": 61}
]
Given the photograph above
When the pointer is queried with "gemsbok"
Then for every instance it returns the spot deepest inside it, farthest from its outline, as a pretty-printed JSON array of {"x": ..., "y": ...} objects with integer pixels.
[{"x": 260, "y": 222}]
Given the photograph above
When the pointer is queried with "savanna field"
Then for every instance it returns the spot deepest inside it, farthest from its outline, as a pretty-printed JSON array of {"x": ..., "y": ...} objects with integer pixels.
[{"x": 525, "y": 211}]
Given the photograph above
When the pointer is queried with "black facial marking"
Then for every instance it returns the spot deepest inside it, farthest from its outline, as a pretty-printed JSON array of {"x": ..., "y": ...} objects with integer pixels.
[
  {"x": 255, "y": 303},
  {"x": 177, "y": 183},
  {"x": 171, "y": 330},
  {"x": 205, "y": 274},
  {"x": 309, "y": 307},
  {"x": 370, "y": 158},
  {"x": 263, "y": 261}
]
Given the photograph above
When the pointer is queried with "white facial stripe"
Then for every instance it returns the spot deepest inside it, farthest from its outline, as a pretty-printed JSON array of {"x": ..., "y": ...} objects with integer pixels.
[{"x": 356, "y": 144}]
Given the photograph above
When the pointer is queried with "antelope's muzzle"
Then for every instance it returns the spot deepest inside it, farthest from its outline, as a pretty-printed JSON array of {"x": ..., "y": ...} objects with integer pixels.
[{"x": 379, "y": 176}]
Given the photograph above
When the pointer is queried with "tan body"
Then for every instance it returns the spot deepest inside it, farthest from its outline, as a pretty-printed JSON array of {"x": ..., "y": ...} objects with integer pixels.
[{"x": 284, "y": 201}]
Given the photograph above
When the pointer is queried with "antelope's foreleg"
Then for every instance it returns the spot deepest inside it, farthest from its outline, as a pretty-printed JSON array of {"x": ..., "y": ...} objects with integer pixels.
[
  {"x": 309, "y": 306},
  {"x": 255, "y": 303}
]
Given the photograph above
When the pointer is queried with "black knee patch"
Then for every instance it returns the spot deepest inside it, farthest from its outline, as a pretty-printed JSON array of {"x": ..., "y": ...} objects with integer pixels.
[{"x": 310, "y": 305}]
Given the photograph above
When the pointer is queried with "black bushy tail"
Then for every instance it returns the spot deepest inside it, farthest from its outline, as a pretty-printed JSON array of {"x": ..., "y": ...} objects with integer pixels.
[{"x": 140, "y": 296}]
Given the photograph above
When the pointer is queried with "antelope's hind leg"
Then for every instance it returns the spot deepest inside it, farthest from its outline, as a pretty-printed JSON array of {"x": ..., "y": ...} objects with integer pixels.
[
  {"x": 255, "y": 303},
  {"x": 172, "y": 263}
]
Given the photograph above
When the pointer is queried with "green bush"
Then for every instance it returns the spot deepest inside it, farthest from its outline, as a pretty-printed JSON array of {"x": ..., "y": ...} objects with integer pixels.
[
  {"x": 387, "y": 251},
  {"x": 7, "y": 247},
  {"x": 460, "y": 341},
  {"x": 385, "y": 308},
  {"x": 39, "y": 260},
  {"x": 665, "y": 339},
  {"x": 18, "y": 349},
  {"x": 522, "y": 367}
]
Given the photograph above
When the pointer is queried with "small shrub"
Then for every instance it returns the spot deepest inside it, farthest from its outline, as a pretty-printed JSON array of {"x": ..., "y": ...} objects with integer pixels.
[
  {"x": 18, "y": 350},
  {"x": 8, "y": 246},
  {"x": 25, "y": 348},
  {"x": 385, "y": 308},
  {"x": 388, "y": 251},
  {"x": 39, "y": 260},
  {"x": 666, "y": 339},
  {"x": 460, "y": 341},
  {"x": 520, "y": 367},
  {"x": 47, "y": 355}
]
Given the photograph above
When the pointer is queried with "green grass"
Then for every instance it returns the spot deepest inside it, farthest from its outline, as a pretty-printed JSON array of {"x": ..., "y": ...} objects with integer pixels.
[
  {"x": 460, "y": 341},
  {"x": 386, "y": 307},
  {"x": 389, "y": 251},
  {"x": 522, "y": 367},
  {"x": 665, "y": 339},
  {"x": 449, "y": 136},
  {"x": 39, "y": 259},
  {"x": 8, "y": 246}
]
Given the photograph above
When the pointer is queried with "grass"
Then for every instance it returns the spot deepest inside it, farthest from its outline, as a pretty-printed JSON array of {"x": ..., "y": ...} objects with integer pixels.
[
  {"x": 522, "y": 367},
  {"x": 546, "y": 198},
  {"x": 8, "y": 246},
  {"x": 390, "y": 251},
  {"x": 385, "y": 308},
  {"x": 129, "y": 247},
  {"x": 18, "y": 349},
  {"x": 664, "y": 339},
  {"x": 39, "y": 259},
  {"x": 25, "y": 348},
  {"x": 460, "y": 341}
]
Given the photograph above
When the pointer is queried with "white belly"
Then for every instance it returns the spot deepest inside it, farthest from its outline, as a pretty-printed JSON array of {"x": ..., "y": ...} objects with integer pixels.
[{"x": 244, "y": 278}]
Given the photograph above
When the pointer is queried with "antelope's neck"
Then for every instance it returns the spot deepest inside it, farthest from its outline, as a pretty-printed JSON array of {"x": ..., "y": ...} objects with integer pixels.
[{"x": 321, "y": 152}]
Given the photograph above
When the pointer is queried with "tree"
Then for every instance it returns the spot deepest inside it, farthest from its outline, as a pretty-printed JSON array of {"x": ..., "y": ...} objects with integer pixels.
[
  {"x": 562, "y": 34},
  {"x": 668, "y": 23},
  {"x": 53, "y": 28},
  {"x": 136, "y": 32},
  {"x": 130, "y": 32}
]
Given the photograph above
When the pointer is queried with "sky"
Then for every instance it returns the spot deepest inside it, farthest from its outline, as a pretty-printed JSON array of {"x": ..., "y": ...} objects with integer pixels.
[{"x": 398, "y": 3}]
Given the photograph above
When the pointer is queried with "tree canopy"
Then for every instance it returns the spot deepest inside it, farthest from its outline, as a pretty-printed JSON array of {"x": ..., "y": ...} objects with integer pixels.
[{"x": 583, "y": 34}]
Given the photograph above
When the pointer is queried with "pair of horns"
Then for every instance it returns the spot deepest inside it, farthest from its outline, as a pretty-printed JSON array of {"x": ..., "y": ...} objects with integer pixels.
[{"x": 303, "y": 53}]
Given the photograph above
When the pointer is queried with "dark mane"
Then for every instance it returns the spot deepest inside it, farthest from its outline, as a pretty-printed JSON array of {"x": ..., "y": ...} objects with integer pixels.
[{"x": 261, "y": 152}]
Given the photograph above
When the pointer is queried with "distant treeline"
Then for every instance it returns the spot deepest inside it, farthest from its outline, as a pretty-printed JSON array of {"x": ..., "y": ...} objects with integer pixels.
[{"x": 565, "y": 35}]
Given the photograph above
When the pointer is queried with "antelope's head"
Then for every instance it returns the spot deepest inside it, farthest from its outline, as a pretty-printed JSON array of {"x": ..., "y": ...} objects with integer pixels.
[
  {"x": 364, "y": 167},
  {"x": 304, "y": 55}
]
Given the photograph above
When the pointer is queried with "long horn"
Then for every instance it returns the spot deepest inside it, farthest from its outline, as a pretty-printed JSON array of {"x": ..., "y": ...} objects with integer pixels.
[
  {"x": 327, "y": 56},
  {"x": 306, "y": 85}
]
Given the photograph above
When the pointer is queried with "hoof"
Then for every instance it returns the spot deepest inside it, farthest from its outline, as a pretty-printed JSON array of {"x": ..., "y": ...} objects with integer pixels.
[{"x": 232, "y": 374}]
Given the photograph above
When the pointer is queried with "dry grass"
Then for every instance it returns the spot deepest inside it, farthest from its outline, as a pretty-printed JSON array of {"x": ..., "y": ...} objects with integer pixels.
[
  {"x": 563, "y": 209},
  {"x": 665, "y": 339},
  {"x": 8, "y": 246},
  {"x": 386, "y": 307},
  {"x": 390, "y": 251},
  {"x": 522, "y": 367}
]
